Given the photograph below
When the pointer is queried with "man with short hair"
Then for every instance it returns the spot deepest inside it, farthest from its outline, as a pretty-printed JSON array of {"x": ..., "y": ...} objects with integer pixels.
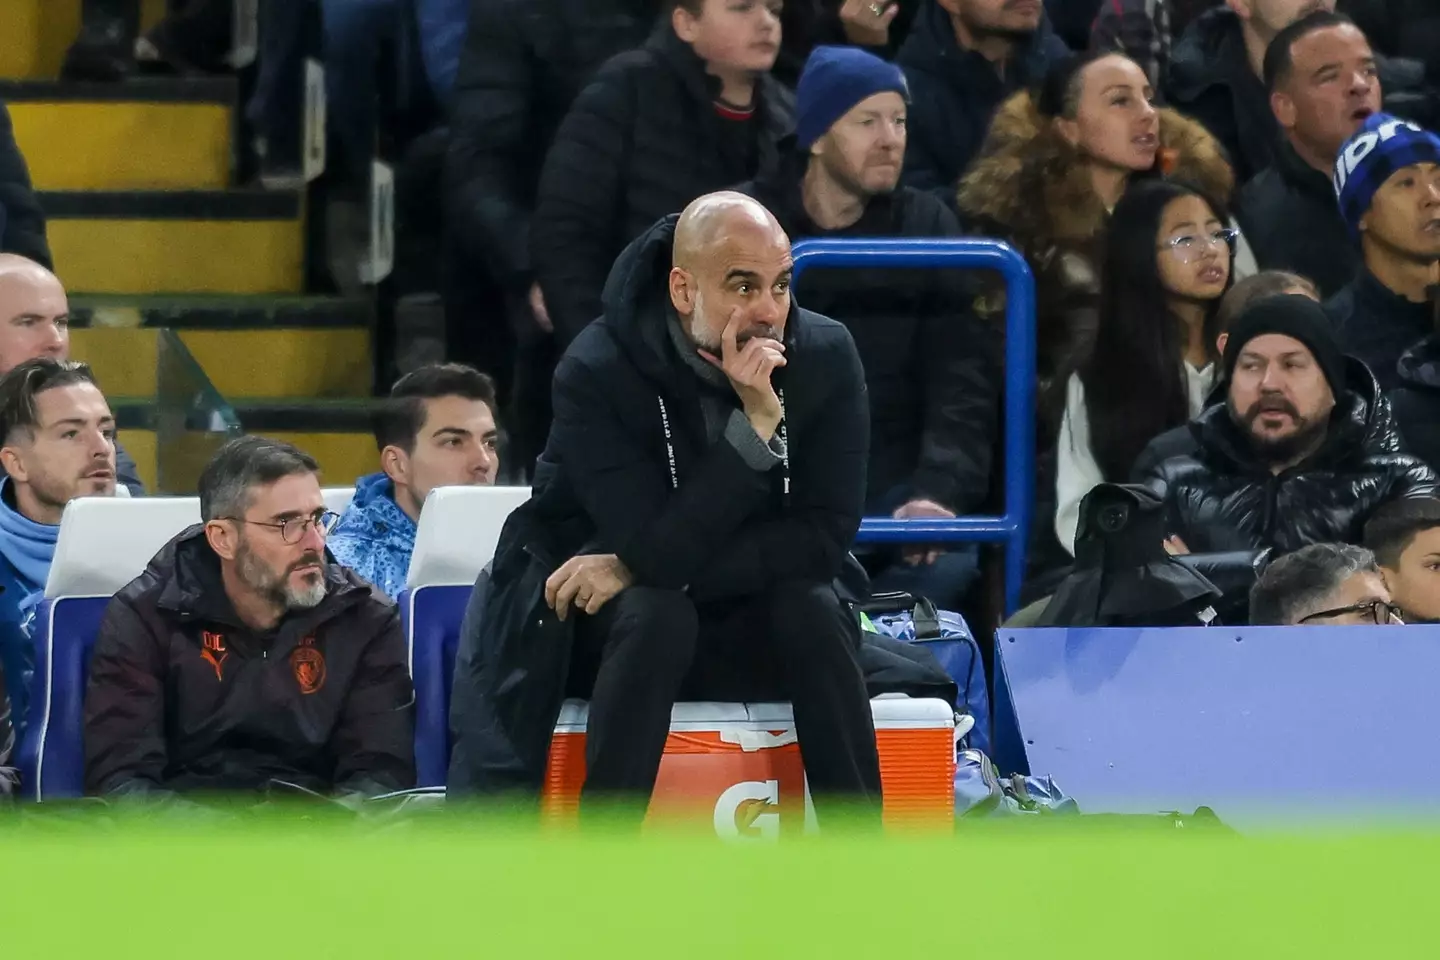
[
  {"x": 35, "y": 322},
  {"x": 963, "y": 58},
  {"x": 1387, "y": 178},
  {"x": 57, "y": 443},
  {"x": 1323, "y": 85},
  {"x": 436, "y": 429},
  {"x": 705, "y": 478},
  {"x": 243, "y": 661},
  {"x": 1405, "y": 537},
  {"x": 1298, "y": 454},
  {"x": 694, "y": 110},
  {"x": 931, "y": 369},
  {"x": 1323, "y": 585}
]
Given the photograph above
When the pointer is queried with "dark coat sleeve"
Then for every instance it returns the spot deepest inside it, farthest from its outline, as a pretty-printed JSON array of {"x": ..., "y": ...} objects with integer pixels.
[
  {"x": 24, "y": 221},
  {"x": 373, "y": 744},
  {"x": 961, "y": 367},
  {"x": 127, "y": 473},
  {"x": 827, "y": 496},
  {"x": 1414, "y": 480},
  {"x": 490, "y": 147},
  {"x": 664, "y": 537},
  {"x": 573, "y": 234},
  {"x": 125, "y": 752}
]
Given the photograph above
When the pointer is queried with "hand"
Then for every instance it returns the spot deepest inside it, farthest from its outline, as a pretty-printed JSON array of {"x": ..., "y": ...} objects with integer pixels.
[
  {"x": 1176, "y": 547},
  {"x": 914, "y": 554},
  {"x": 862, "y": 27},
  {"x": 537, "y": 307},
  {"x": 587, "y": 582},
  {"x": 749, "y": 370}
]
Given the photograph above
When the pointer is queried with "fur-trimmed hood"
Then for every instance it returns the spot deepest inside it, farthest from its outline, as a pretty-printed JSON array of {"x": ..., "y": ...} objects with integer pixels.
[{"x": 1030, "y": 185}]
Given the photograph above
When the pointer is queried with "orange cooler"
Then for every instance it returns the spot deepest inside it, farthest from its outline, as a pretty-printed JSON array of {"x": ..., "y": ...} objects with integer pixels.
[{"x": 738, "y": 766}]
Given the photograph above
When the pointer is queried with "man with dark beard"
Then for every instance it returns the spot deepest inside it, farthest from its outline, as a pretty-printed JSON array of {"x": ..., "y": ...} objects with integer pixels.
[
  {"x": 1296, "y": 455},
  {"x": 931, "y": 368},
  {"x": 243, "y": 659},
  {"x": 705, "y": 477}
]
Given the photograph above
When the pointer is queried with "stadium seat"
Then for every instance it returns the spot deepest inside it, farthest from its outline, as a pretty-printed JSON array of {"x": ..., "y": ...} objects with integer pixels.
[
  {"x": 103, "y": 545},
  {"x": 456, "y": 537},
  {"x": 338, "y": 498}
]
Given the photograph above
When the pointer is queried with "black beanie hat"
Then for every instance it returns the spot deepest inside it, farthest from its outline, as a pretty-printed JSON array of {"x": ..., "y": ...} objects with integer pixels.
[{"x": 1294, "y": 316}]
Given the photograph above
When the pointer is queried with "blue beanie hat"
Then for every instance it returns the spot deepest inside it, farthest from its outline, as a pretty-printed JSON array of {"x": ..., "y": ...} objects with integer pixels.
[
  {"x": 834, "y": 80},
  {"x": 1382, "y": 145}
]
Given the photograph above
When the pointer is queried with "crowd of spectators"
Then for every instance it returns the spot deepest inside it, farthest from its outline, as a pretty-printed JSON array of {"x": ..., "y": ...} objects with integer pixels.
[{"x": 1232, "y": 215}]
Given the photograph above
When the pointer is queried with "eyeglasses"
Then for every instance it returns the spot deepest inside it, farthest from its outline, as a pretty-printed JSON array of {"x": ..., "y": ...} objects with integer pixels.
[
  {"x": 292, "y": 529},
  {"x": 1379, "y": 611},
  {"x": 1190, "y": 248}
]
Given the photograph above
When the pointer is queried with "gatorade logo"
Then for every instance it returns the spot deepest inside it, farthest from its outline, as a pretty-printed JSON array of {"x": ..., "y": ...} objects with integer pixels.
[
  {"x": 750, "y": 810},
  {"x": 1362, "y": 146}
]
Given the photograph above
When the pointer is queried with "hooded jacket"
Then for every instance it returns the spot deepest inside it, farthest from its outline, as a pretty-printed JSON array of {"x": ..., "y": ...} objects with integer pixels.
[
  {"x": 954, "y": 93},
  {"x": 1378, "y": 325},
  {"x": 1292, "y": 220},
  {"x": 641, "y": 142},
  {"x": 374, "y": 537},
  {"x": 1221, "y": 499},
  {"x": 632, "y": 468},
  {"x": 932, "y": 369},
  {"x": 1417, "y": 400},
  {"x": 184, "y": 698}
]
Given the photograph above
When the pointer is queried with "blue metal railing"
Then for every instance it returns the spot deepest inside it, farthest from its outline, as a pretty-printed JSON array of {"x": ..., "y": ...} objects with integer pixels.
[{"x": 1013, "y": 528}]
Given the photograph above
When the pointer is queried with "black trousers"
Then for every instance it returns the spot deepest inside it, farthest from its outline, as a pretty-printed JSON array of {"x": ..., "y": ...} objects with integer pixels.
[{"x": 648, "y": 648}]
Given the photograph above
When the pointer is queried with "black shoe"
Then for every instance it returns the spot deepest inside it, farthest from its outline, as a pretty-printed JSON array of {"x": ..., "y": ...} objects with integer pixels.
[{"x": 103, "y": 52}]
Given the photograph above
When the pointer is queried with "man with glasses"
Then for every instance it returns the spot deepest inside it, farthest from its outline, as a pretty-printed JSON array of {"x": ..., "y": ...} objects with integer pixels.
[
  {"x": 243, "y": 660},
  {"x": 1323, "y": 585}
]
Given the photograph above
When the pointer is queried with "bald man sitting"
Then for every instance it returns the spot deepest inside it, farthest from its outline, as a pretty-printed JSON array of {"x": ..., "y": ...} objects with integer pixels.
[
  {"x": 35, "y": 322},
  {"x": 705, "y": 475}
]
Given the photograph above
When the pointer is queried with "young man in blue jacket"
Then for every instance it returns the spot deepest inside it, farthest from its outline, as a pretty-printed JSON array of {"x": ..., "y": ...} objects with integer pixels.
[{"x": 437, "y": 429}]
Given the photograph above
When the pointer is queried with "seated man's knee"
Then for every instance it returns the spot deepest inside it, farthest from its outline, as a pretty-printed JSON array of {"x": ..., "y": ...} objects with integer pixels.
[
  {"x": 806, "y": 613},
  {"x": 663, "y": 622}
]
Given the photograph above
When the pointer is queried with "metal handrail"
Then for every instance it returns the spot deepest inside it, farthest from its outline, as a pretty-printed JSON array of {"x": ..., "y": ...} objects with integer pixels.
[{"x": 1013, "y": 528}]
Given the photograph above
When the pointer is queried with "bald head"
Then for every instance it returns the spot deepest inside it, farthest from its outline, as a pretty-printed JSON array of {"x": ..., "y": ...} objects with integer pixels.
[
  {"x": 34, "y": 313},
  {"x": 731, "y": 257}
]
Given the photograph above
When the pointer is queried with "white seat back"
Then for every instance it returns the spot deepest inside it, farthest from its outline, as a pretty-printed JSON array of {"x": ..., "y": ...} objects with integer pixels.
[
  {"x": 105, "y": 542},
  {"x": 458, "y": 530},
  {"x": 337, "y": 498}
]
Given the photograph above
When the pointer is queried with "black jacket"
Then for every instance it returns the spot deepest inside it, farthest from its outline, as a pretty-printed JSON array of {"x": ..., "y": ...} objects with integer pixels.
[
  {"x": 22, "y": 222},
  {"x": 932, "y": 369},
  {"x": 641, "y": 142},
  {"x": 1291, "y": 218},
  {"x": 1400, "y": 28},
  {"x": 1220, "y": 499},
  {"x": 1417, "y": 400},
  {"x": 954, "y": 93},
  {"x": 524, "y": 62},
  {"x": 183, "y": 698},
  {"x": 604, "y": 484},
  {"x": 1211, "y": 80},
  {"x": 1377, "y": 325}
]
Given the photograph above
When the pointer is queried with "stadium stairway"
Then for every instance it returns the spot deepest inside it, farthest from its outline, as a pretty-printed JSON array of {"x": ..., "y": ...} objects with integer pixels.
[{"x": 149, "y": 231}]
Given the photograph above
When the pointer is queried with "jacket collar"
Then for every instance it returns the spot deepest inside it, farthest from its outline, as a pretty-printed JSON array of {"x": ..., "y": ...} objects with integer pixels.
[
  {"x": 1354, "y": 429},
  {"x": 783, "y": 193},
  {"x": 1300, "y": 175}
]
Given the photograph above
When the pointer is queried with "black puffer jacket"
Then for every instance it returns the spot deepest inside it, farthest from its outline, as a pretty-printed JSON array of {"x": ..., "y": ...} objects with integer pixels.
[
  {"x": 525, "y": 61},
  {"x": 1378, "y": 325},
  {"x": 1417, "y": 401},
  {"x": 1220, "y": 499},
  {"x": 1291, "y": 218},
  {"x": 641, "y": 142},
  {"x": 932, "y": 368},
  {"x": 954, "y": 93}
]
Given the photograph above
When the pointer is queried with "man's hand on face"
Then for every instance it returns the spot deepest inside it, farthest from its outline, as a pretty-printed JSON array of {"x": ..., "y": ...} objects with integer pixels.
[
  {"x": 749, "y": 369},
  {"x": 586, "y": 583},
  {"x": 916, "y": 554}
]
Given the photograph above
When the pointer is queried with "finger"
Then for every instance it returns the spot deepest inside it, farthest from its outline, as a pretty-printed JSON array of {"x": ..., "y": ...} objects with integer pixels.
[
  {"x": 597, "y": 600},
  {"x": 553, "y": 582},
  {"x": 710, "y": 358},
  {"x": 565, "y": 596},
  {"x": 727, "y": 337},
  {"x": 932, "y": 556},
  {"x": 891, "y": 12}
]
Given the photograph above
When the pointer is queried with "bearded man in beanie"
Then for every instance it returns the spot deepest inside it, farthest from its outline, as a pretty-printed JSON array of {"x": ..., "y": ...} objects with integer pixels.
[
  {"x": 932, "y": 370},
  {"x": 1295, "y": 455},
  {"x": 1387, "y": 178}
]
